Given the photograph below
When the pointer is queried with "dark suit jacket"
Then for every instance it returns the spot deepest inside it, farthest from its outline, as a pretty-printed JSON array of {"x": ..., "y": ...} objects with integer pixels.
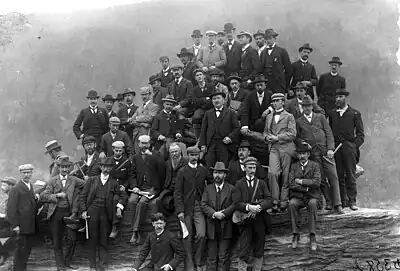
[
  {"x": 209, "y": 207},
  {"x": 236, "y": 173},
  {"x": 182, "y": 93},
  {"x": 242, "y": 195},
  {"x": 158, "y": 95},
  {"x": 292, "y": 106},
  {"x": 241, "y": 96},
  {"x": 200, "y": 97},
  {"x": 153, "y": 169},
  {"x": 187, "y": 184},
  {"x": 227, "y": 124},
  {"x": 112, "y": 114},
  {"x": 165, "y": 249},
  {"x": 252, "y": 110},
  {"x": 166, "y": 79},
  {"x": 250, "y": 64},
  {"x": 188, "y": 72},
  {"x": 85, "y": 117},
  {"x": 22, "y": 208},
  {"x": 311, "y": 177},
  {"x": 73, "y": 186},
  {"x": 172, "y": 173},
  {"x": 123, "y": 115},
  {"x": 94, "y": 168},
  {"x": 303, "y": 72},
  {"x": 233, "y": 58},
  {"x": 123, "y": 172},
  {"x": 107, "y": 141},
  {"x": 166, "y": 125}
]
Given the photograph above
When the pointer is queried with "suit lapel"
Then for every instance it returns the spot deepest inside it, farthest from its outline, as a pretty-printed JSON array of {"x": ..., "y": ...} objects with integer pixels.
[
  {"x": 213, "y": 196},
  {"x": 70, "y": 187},
  {"x": 282, "y": 116},
  {"x": 224, "y": 194},
  {"x": 223, "y": 113}
]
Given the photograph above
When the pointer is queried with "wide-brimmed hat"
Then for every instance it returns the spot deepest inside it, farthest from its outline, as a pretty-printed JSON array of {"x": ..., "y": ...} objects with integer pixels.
[
  {"x": 64, "y": 161},
  {"x": 303, "y": 147},
  {"x": 277, "y": 96},
  {"x": 92, "y": 94},
  {"x": 260, "y": 78},
  {"x": 129, "y": 91},
  {"x": 9, "y": 180},
  {"x": 219, "y": 166},
  {"x": 259, "y": 33},
  {"x": 306, "y": 46},
  {"x": 196, "y": 33},
  {"x": 108, "y": 97},
  {"x": 51, "y": 145},
  {"x": 89, "y": 139},
  {"x": 154, "y": 78},
  {"x": 270, "y": 33},
  {"x": 229, "y": 28},
  {"x": 342, "y": 91},
  {"x": 169, "y": 98},
  {"x": 107, "y": 161},
  {"x": 245, "y": 33},
  {"x": 235, "y": 76},
  {"x": 336, "y": 60},
  {"x": 184, "y": 52},
  {"x": 216, "y": 71},
  {"x": 307, "y": 101}
]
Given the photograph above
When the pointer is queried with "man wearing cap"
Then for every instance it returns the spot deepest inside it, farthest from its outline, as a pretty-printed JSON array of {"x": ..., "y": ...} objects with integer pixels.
[
  {"x": 304, "y": 71},
  {"x": 165, "y": 74},
  {"x": 348, "y": 129},
  {"x": 280, "y": 131},
  {"x": 93, "y": 119},
  {"x": 97, "y": 202},
  {"x": 189, "y": 189},
  {"x": 149, "y": 173},
  {"x": 260, "y": 41},
  {"x": 313, "y": 128},
  {"x": 7, "y": 184},
  {"x": 126, "y": 113},
  {"x": 112, "y": 136},
  {"x": 304, "y": 182},
  {"x": 159, "y": 92},
  {"x": 275, "y": 64},
  {"x": 54, "y": 150},
  {"x": 196, "y": 47},
  {"x": 89, "y": 165},
  {"x": 212, "y": 55},
  {"x": 250, "y": 61},
  {"x": 21, "y": 213},
  {"x": 188, "y": 65},
  {"x": 143, "y": 117},
  {"x": 166, "y": 127},
  {"x": 237, "y": 94},
  {"x": 218, "y": 206},
  {"x": 62, "y": 193},
  {"x": 182, "y": 90},
  {"x": 328, "y": 83},
  {"x": 108, "y": 101},
  {"x": 201, "y": 100},
  {"x": 233, "y": 51},
  {"x": 221, "y": 38},
  {"x": 251, "y": 196},
  {"x": 219, "y": 131}
]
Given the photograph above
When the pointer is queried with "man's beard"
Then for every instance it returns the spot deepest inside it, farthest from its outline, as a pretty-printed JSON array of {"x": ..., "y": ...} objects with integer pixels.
[
  {"x": 218, "y": 180},
  {"x": 90, "y": 151},
  {"x": 106, "y": 172}
]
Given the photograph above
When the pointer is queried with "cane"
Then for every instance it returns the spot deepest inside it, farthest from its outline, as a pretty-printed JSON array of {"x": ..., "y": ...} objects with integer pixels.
[
  {"x": 87, "y": 227},
  {"x": 337, "y": 148}
]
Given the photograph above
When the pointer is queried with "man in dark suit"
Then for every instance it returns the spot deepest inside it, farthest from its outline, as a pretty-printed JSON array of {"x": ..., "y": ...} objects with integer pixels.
[
  {"x": 304, "y": 181},
  {"x": 233, "y": 50},
  {"x": 126, "y": 112},
  {"x": 115, "y": 135},
  {"x": 260, "y": 41},
  {"x": 252, "y": 197},
  {"x": 166, "y": 248},
  {"x": 89, "y": 166},
  {"x": 327, "y": 85},
  {"x": 275, "y": 64},
  {"x": 304, "y": 71},
  {"x": 165, "y": 74},
  {"x": 189, "y": 66},
  {"x": 21, "y": 213},
  {"x": 219, "y": 131},
  {"x": 97, "y": 204},
  {"x": 250, "y": 61},
  {"x": 62, "y": 192},
  {"x": 159, "y": 92},
  {"x": 237, "y": 95},
  {"x": 108, "y": 101},
  {"x": 196, "y": 47},
  {"x": 189, "y": 189},
  {"x": 182, "y": 90},
  {"x": 94, "y": 119},
  {"x": 348, "y": 129}
]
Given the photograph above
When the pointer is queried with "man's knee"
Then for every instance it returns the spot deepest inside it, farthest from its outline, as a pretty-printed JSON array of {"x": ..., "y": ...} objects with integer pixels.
[
  {"x": 312, "y": 204},
  {"x": 293, "y": 203}
]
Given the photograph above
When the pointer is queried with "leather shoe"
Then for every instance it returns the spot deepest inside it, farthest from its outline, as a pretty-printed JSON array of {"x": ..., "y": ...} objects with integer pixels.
[
  {"x": 339, "y": 210},
  {"x": 139, "y": 239},
  {"x": 295, "y": 240},
  {"x": 114, "y": 232},
  {"x": 328, "y": 207},
  {"x": 353, "y": 207},
  {"x": 313, "y": 242},
  {"x": 133, "y": 238},
  {"x": 71, "y": 266},
  {"x": 275, "y": 209},
  {"x": 283, "y": 206}
]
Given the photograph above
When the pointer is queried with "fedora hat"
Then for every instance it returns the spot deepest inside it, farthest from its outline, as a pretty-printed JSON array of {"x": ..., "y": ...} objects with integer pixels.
[
  {"x": 108, "y": 97},
  {"x": 271, "y": 33},
  {"x": 129, "y": 91},
  {"x": 51, "y": 145},
  {"x": 336, "y": 60},
  {"x": 245, "y": 33},
  {"x": 196, "y": 33},
  {"x": 64, "y": 161},
  {"x": 184, "y": 52},
  {"x": 219, "y": 166},
  {"x": 259, "y": 33},
  {"x": 235, "y": 76},
  {"x": 307, "y": 101},
  {"x": 342, "y": 91},
  {"x": 154, "y": 78},
  {"x": 92, "y": 94},
  {"x": 229, "y": 28},
  {"x": 216, "y": 71},
  {"x": 303, "y": 147},
  {"x": 107, "y": 161},
  {"x": 119, "y": 97},
  {"x": 245, "y": 144},
  {"x": 260, "y": 78},
  {"x": 169, "y": 98},
  {"x": 307, "y": 47}
]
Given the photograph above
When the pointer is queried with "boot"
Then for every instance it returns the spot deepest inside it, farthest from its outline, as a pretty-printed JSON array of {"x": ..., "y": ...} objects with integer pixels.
[
  {"x": 313, "y": 242},
  {"x": 257, "y": 264},
  {"x": 353, "y": 207},
  {"x": 114, "y": 232},
  {"x": 283, "y": 206},
  {"x": 295, "y": 240},
  {"x": 328, "y": 207},
  {"x": 242, "y": 266},
  {"x": 339, "y": 210}
]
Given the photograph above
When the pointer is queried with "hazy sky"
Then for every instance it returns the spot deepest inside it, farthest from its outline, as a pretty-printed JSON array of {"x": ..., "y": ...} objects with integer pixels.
[{"x": 58, "y": 6}]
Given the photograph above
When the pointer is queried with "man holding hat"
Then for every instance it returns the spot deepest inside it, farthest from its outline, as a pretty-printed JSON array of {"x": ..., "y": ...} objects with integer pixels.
[
  {"x": 304, "y": 182},
  {"x": 165, "y": 74},
  {"x": 250, "y": 61},
  {"x": 98, "y": 207},
  {"x": 219, "y": 131},
  {"x": 260, "y": 41},
  {"x": 237, "y": 95},
  {"x": 189, "y": 189},
  {"x": 54, "y": 150},
  {"x": 275, "y": 64},
  {"x": 348, "y": 129},
  {"x": 115, "y": 135},
  {"x": 328, "y": 83},
  {"x": 196, "y": 47},
  {"x": 251, "y": 197},
  {"x": 21, "y": 213},
  {"x": 62, "y": 193},
  {"x": 218, "y": 207},
  {"x": 188, "y": 65},
  {"x": 159, "y": 92},
  {"x": 304, "y": 71},
  {"x": 108, "y": 101},
  {"x": 93, "y": 119},
  {"x": 126, "y": 113},
  {"x": 232, "y": 50},
  {"x": 313, "y": 128},
  {"x": 280, "y": 131},
  {"x": 182, "y": 90},
  {"x": 212, "y": 55}
]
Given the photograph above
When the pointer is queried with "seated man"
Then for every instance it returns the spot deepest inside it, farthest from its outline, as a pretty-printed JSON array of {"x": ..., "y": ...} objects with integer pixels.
[
  {"x": 166, "y": 249},
  {"x": 89, "y": 166},
  {"x": 304, "y": 181}
]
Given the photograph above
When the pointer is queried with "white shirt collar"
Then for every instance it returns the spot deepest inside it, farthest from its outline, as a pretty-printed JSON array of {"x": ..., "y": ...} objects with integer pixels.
[
  {"x": 27, "y": 184},
  {"x": 158, "y": 234},
  {"x": 196, "y": 46},
  {"x": 260, "y": 95},
  {"x": 334, "y": 74},
  {"x": 166, "y": 112},
  {"x": 220, "y": 186},
  {"x": 192, "y": 166},
  {"x": 212, "y": 45},
  {"x": 303, "y": 61},
  {"x": 104, "y": 178},
  {"x": 62, "y": 177},
  {"x": 342, "y": 110},
  {"x": 179, "y": 79},
  {"x": 233, "y": 41},
  {"x": 245, "y": 47},
  {"x": 309, "y": 116},
  {"x": 248, "y": 178},
  {"x": 280, "y": 110},
  {"x": 262, "y": 48},
  {"x": 166, "y": 70},
  {"x": 271, "y": 47},
  {"x": 305, "y": 164},
  {"x": 93, "y": 108}
]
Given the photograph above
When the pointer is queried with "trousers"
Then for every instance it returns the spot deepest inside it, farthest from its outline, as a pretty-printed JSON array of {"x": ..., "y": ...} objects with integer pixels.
[{"x": 295, "y": 204}]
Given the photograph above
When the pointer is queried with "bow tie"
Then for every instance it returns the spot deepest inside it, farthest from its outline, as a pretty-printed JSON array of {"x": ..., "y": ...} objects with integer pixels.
[
  {"x": 230, "y": 43},
  {"x": 277, "y": 113},
  {"x": 270, "y": 48},
  {"x": 307, "y": 116},
  {"x": 218, "y": 110}
]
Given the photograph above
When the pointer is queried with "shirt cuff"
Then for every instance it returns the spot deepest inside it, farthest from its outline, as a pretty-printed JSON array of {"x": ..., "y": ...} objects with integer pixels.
[
  {"x": 301, "y": 182},
  {"x": 245, "y": 127},
  {"x": 247, "y": 207},
  {"x": 170, "y": 267},
  {"x": 119, "y": 205}
]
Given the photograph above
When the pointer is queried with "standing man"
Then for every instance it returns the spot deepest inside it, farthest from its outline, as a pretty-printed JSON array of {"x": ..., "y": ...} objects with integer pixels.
[
  {"x": 126, "y": 112},
  {"x": 219, "y": 131},
  {"x": 304, "y": 71},
  {"x": 62, "y": 192},
  {"x": 188, "y": 65},
  {"x": 108, "y": 101},
  {"x": 21, "y": 213},
  {"x": 189, "y": 189},
  {"x": 165, "y": 74},
  {"x": 54, "y": 150},
  {"x": 250, "y": 61},
  {"x": 275, "y": 64},
  {"x": 94, "y": 119},
  {"x": 166, "y": 249},
  {"x": 348, "y": 129},
  {"x": 233, "y": 51},
  {"x": 196, "y": 47},
  {"x": 159, "y": 92},
  {"x": 280, "y": 131},
  {"x": 260, "y": 42},
  {"x": 328, "y": 83},
  {"x": 218, "y": 207},
  {"x": 304, "y": 181},
  {"x": 97, "y": 198},
  {"x": 237, "y": 95},
  {"x": 212, "y": 55},
  {"x": 252, "y": 197}
]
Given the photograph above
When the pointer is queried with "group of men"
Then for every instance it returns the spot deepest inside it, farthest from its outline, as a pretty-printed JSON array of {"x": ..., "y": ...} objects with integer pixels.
[{"x": 216, "y": 152}]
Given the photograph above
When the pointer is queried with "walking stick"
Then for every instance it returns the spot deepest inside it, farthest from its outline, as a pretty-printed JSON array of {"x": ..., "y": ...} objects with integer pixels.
[
  {"x": 87, "y": 227},
  {"x": 327, "y": 159}
]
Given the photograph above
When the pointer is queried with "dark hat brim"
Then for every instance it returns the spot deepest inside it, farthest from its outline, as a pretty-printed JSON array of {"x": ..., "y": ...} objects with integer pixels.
[
  {"x": 308, "y": 48},
  {"x": 260, "y": 80},
  {"x": 109, "y": 99},
  {"x": 345, "y": 93},
  {"x": 129, "y": 92},
  {"x": 230, "y": 78},
  {"x": 219, "y": 169},
  {"x": 92, "y": 96},
  {"x": 52, "y": 148},
  {"x": 185, "y": 54},
  {"x": 169, "y": 100},
  {"x": 336, "y": 61},
  {"x": 218, "y": 93}
]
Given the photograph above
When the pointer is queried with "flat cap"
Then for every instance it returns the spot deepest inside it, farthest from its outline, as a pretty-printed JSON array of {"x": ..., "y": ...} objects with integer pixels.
[
  {"x": 216, "y": 71},
  {"x": 277, "y": 96},
  {"x": 193, "y": 149},
  {"x": 118, "y": 144},
  {"x": 154, "y": 78},
  {"x": 144, "y": 138},
  {"x": 145, "y": 90},
  {"x": 211, "y": 33},
  {"x": 64, "y": 161},
  {"x": 26, "y": 167},
  {"x": 250, "y": 160},
  {"x": 115, "y": 120},
  {"x": 176, "y": 66},
  {"x": 9, "y": 180},
  {"x": 342, "y": 91}
]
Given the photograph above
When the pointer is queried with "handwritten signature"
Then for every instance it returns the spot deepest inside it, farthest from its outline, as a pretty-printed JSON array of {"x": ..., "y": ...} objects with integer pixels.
[{"x": 377, "y": 265}]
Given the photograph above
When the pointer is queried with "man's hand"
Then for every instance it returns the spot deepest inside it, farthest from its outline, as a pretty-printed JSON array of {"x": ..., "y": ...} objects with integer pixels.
[
  {"x": 122, "y": 188},
  {"x": 17, "y": 230},
  {"x": 290, "y": 92},
  {"x": 298, "y": 181},
  {"x": 166, "y": 267},
  {"x": 244, "y": 130},
  {"x": 212, "y": 67},
  {"x": 86, "y": 178},
  {"x": 272, "y": 138},
  {"x": 135, "y": 190},
  {"x": 269, "y": 110},
  {"x": 219, "y": 215},
  {"x": 102, "y": 155},
  {"x": 84, "y": 215},
  {"x": 61, "y": 195},
  {"x": 161, "y": 138},
  {"x": 133, "y": 269},
  {"x": 248, "y": 82},
  {"x": 119, "y": 213},
  {"x": 181, "y": 216},
  {"x": 258, "y": 208},
  {"x": 178, "y": 135},
  {"x": 227, "y": 140},
  {"x": 330, "y": 154}
]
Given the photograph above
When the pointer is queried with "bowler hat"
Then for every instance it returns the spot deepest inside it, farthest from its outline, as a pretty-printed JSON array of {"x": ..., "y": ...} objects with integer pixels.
[
  {"x": 129, "y": 91},
  {"x": 342, "y": 91},
  {"x": 244, "y": 144},
  {"x": 88, "y": 139},
  {"x": 259, "y": 33},
  {"x": 303, "y": 147},
  {"x": 218, "y": 92},
  {"x": 184, "y": 52},
  {"x": 336, "y": 60},
  {"x": 307, "y": 47},
  {"x": 108, "y": 97},
  {"x": 64, "y": 161},
  {"x": 260, "y": 78},
  {"x": 51, "y": 145},
  {"x": 245, "y": 33},
  {"x": 169, "y": 98},
  {"x": 216, "y": 71},
  {"x": 235, "y": 76},
  {"x": 229, "y": 28},
  {"x": 92, "y": 94},
  {"x": 107, "y": 161},
  {"x": 307, "y": 100},
  {"x": 9, "y": 180},
  {"x": 270, "y": 33},
  {"x": 219, "y": 166},
  {"x": 196, "y": 33},
  {"x": 193, "y": 149}
]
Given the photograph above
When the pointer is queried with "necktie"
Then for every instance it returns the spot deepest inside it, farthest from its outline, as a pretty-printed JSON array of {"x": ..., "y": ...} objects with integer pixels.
[
  {"x": 177, "y": 82},
  {"x": 250, "y": 183},
  {"x": 230, "y": 43},
  {"x": 260, "y": 99},
  {"x": 211, "y": 47},
  {"x": 63, "y": 181}
]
